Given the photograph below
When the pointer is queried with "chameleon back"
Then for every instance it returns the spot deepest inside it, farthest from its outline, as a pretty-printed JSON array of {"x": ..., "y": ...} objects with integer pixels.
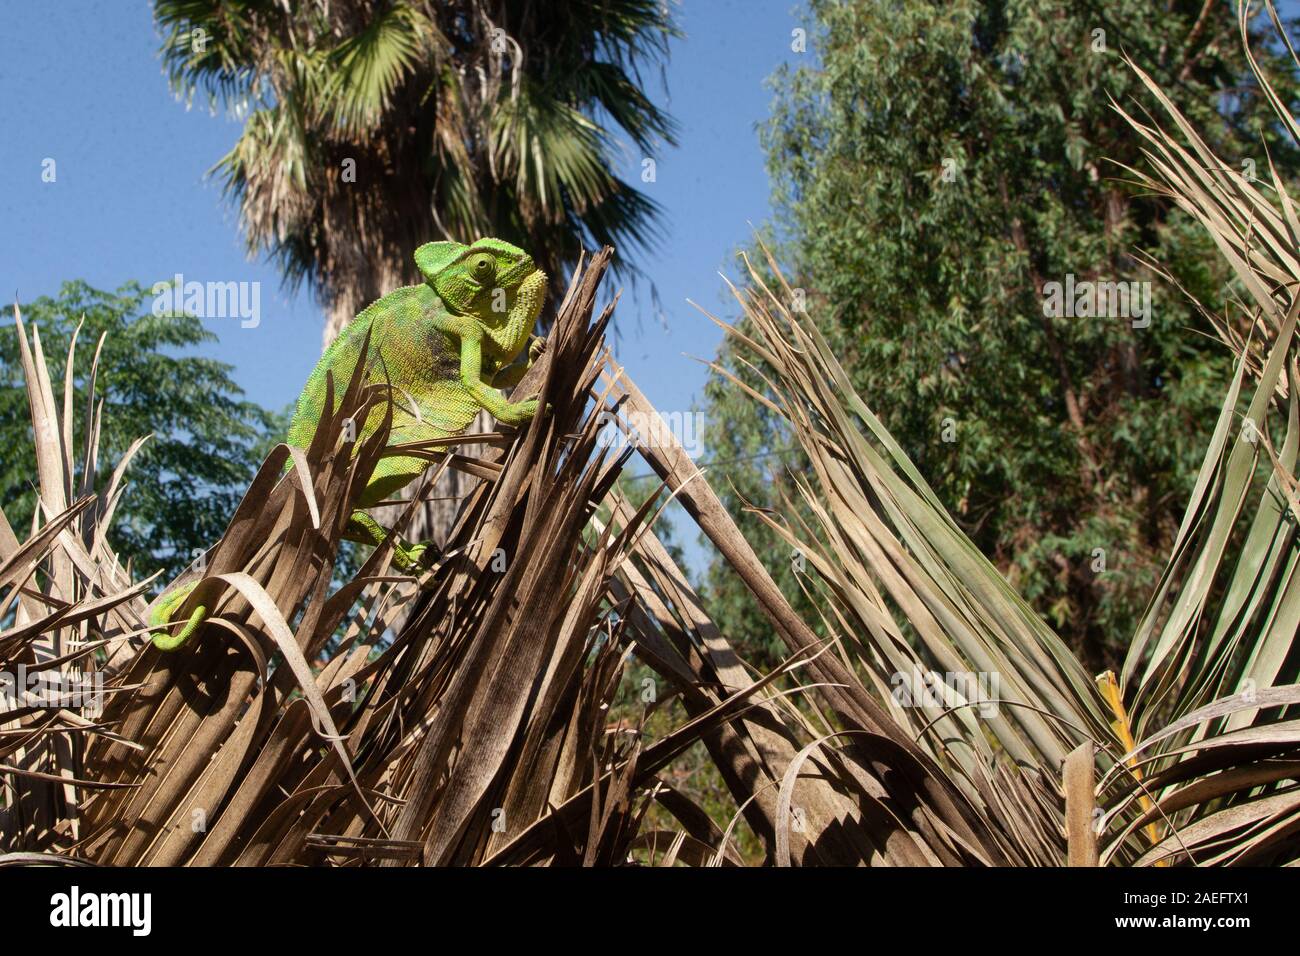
[{"x": 423, "y": 367}]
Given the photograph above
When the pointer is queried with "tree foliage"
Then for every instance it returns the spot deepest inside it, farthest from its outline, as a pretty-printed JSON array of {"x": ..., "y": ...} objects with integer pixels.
[
  {"x": 207, "y": 440},
  {"x": 934, "y": 168}
]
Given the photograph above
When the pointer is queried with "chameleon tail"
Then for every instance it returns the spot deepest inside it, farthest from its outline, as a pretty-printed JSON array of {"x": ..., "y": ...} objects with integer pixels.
[{"x": 161, "y": 614}]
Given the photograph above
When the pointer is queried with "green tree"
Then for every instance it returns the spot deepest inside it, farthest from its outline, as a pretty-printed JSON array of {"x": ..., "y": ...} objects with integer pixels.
[
  {"x": 935, "y": 166},
  {"x": 374, "y": 127},
  {"x": 184, "y": 484}
]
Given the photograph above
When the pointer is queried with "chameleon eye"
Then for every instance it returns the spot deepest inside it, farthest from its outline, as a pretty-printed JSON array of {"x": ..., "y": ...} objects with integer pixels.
[{"x": 483, "y": 268}]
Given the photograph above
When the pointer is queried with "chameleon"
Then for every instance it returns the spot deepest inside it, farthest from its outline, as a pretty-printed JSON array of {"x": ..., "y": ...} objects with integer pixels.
[{"x": 446, "y": 346}]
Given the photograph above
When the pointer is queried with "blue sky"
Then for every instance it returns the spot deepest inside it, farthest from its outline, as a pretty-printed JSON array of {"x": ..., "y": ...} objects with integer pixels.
[{"x": 81, "y": 83}]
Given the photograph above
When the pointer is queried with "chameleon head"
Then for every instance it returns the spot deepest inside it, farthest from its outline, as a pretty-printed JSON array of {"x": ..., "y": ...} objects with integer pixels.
[{"x": 491, "y": 280}]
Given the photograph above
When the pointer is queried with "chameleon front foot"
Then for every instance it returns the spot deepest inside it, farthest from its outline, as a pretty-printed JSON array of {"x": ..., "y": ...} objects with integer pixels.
[{"x": 518, "y": 414}]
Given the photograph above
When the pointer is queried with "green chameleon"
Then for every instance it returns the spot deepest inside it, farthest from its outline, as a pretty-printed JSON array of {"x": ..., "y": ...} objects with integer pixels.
[{"x": 445, "y": 346}]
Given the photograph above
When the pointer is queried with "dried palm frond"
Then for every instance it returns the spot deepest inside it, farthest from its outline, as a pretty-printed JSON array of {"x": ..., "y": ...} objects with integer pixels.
[{"x": 1190, "y": 757}]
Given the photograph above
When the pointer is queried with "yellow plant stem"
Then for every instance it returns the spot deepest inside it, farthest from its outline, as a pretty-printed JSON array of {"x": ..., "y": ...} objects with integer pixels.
[{"x": 1109, "y": 688}]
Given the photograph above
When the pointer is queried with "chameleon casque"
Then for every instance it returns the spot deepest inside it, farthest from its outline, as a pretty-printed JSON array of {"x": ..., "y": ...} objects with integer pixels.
[{"x": 446, "y": 346}]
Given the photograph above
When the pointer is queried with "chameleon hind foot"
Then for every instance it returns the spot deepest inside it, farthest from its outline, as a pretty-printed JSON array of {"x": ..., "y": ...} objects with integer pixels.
[
  {"x": 411, "y": 558},
  {"x": 416, "y": 557},
  {"x": 161, "y": 615}
]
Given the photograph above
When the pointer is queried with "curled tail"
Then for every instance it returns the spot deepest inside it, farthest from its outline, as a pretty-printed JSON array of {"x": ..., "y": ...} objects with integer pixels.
[{"x": 162, "y": 612}]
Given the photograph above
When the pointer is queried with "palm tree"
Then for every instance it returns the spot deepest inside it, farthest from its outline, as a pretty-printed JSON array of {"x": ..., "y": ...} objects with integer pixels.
[{"x": 375, "y": 126}]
